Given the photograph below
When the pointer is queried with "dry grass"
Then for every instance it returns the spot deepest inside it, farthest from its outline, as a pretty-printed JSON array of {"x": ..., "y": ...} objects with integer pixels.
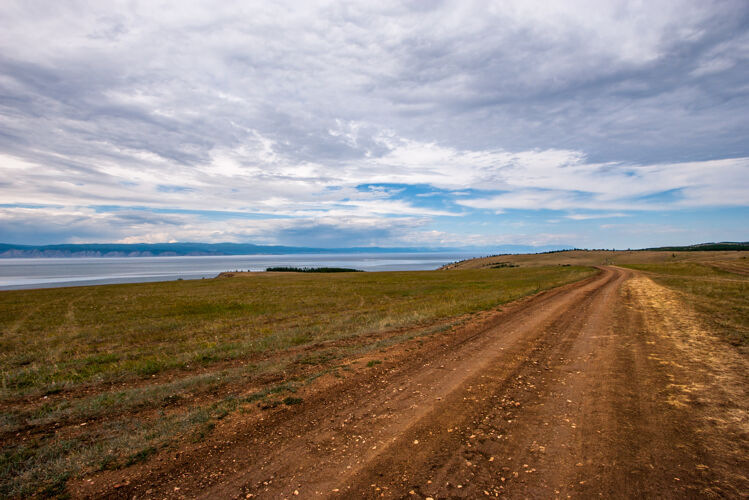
[
  {"x": 718, "y": 290},
  {"x": 605, "y": 257},
  {"x": 61, "y": 338},
  {"x": 714, "y": 281},
  {"x": 144, "y": 366}
]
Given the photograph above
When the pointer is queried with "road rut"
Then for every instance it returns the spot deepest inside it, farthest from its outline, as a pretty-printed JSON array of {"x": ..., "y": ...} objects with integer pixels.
[{"x": 578, "y": 391}]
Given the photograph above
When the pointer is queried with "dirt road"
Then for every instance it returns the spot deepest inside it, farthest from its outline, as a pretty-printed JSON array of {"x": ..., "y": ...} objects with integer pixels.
[{"x": 606, "y": 388}]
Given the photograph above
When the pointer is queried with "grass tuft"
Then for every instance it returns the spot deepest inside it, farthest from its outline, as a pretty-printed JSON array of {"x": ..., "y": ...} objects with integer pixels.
[{"x": 140, "y": 456}]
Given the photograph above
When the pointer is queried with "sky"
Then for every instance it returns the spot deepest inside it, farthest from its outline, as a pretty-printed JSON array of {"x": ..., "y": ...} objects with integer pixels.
[{"x": 331, "y": 124}]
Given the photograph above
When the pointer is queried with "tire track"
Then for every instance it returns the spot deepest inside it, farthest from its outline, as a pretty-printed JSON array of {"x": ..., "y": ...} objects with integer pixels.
[
  {"x": 555, "y": 396},
  {"x": 348, "y": 426}
]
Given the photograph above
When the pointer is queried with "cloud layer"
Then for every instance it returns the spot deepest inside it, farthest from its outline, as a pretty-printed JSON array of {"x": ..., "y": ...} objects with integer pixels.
[{"x": 324, "y": 123}]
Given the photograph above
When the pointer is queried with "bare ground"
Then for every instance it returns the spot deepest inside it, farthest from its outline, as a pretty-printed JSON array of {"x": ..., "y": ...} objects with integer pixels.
[{"x": 608, "y": 388}]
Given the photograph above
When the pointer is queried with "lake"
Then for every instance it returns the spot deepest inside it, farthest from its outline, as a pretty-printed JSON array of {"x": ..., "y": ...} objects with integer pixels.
[{"x": 74, "y": 271}]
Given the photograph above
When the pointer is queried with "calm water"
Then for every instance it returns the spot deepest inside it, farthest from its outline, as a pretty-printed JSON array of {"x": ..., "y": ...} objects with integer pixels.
[{"x": 47, "y": 273}]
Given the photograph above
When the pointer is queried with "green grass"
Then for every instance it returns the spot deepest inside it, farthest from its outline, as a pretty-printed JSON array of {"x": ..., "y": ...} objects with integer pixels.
[
  {"x": 720, "y": 297},
  {"x": 97, "y": 355},
  {"x": 66, "y": 337}
]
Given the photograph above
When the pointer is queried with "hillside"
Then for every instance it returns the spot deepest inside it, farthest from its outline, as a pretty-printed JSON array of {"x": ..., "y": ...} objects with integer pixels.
[
  {"x": 8, "y": 250},
  {"x": 602, "y": 257}
]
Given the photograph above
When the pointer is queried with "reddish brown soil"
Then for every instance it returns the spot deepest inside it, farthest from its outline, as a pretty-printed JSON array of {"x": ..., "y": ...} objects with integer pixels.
[{"x": 607, "y": 388}]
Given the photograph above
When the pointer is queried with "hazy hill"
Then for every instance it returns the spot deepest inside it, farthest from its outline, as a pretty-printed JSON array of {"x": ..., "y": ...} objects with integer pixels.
[{"x": 197, "y": 249}]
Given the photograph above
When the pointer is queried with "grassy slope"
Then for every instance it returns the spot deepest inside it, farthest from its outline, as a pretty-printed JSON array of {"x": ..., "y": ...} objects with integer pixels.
[
  {"x": 144, "y": 365},
  {"x": 721, "y": 297},
  {"x": 91, "y": 334},
  {"x": 714, "y": 282},
  {"x": 602, "y": 257}
]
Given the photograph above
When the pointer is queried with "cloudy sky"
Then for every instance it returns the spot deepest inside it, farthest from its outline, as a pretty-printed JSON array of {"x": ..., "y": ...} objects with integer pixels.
[{"x": 593, "y": 124}]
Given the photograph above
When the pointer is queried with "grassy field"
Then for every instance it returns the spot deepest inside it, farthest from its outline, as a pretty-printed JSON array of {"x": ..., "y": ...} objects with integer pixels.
[
  {"x": 605, "y": 257},
  {"x": 103, "y": 377},
  {"x": 717, "y": 290},
  {"x": 715, "y": 283}
]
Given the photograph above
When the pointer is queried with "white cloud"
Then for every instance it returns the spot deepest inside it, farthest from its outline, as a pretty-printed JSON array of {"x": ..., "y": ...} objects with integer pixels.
[
  {"x": 288, "y": 108},
  {"x": 595, "y": 216},
  {"x": 624, "y": 187},
  {"x": 129, "y": 226},
  {"x": 551, "y": 179}
]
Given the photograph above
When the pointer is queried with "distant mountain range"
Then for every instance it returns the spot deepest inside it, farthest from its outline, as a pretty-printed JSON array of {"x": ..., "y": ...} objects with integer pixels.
[{"x": 203, "y": 249}]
